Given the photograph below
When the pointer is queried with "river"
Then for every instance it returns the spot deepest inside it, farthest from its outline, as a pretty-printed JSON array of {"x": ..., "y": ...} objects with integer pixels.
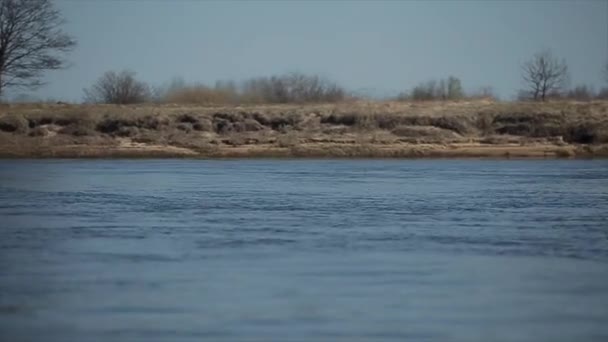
[{"x": 314, "y": 250}]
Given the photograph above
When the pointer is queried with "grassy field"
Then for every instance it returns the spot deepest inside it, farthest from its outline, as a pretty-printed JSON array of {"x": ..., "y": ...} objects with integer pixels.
[{"x": 357, "y": 129}]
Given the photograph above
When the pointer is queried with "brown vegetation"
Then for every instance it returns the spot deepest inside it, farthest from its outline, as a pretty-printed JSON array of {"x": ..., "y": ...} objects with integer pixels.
[{"x": 347, "y": 129}]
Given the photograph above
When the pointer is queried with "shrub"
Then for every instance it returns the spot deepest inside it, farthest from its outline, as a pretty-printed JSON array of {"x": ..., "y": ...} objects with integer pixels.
[
  {"x": 13, "y": 123},
  {"x": 445, "y": 89},
  {"x": 425, "y": 92},
  {"x": 118, "y": 88},
  {"x": 291, "y": 88}
]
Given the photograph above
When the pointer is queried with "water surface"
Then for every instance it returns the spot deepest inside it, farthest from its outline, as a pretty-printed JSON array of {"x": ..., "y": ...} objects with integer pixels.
[{"x": 265, "y": 250}]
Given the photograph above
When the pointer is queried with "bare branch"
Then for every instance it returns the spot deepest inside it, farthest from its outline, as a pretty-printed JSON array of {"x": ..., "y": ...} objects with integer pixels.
[
  {"x": 292, "y": 87},
  {"x": 117, "y": 88},
  {"x": 544, "y": 75},
  {"x": 31, "y": 41}
]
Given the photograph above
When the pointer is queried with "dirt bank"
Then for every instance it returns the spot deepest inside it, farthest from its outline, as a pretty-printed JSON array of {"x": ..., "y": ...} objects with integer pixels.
[{"x": 345, "y": 130}]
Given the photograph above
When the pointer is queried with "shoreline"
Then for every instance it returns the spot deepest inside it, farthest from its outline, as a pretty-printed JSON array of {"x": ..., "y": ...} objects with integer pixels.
[
  {"x": 412, "y": 151},
  {"x": 351, "y": 130}
]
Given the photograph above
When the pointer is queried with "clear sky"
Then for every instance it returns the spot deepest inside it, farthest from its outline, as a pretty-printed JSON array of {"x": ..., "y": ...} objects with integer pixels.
[{"x": 380, "y": 47}]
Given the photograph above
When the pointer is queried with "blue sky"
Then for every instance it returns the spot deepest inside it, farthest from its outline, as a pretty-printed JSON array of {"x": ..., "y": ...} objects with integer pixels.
[{"x": 380, "y": 47}]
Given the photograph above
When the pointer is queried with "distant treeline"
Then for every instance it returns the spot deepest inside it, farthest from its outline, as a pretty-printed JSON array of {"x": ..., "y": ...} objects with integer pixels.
[
  {"x": 545, "y": 77},
  {"x": 124, "y": 88}
]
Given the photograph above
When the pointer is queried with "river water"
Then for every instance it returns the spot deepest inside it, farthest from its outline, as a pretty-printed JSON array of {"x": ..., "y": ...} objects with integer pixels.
[{"x": 303, "y": 250}]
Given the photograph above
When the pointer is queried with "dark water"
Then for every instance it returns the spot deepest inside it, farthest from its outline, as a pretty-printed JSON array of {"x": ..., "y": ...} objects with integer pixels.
[{"x": 303, "y": 250}]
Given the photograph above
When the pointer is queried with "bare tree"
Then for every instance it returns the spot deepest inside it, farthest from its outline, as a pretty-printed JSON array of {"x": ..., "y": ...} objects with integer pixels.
[
  {"x": 31, "y": 41},
  {"x": 454, "y": 88},
  {"x": 544, "y": 75},
  {"x": 118, "y": 88}
]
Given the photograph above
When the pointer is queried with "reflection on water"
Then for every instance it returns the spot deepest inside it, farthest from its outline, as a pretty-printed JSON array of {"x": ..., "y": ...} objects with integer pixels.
[{"x": 316, "y": 250}]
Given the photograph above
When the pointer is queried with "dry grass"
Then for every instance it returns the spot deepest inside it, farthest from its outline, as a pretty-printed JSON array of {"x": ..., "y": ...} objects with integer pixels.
[
  {"x": 347, "y": 129},
  {"x": 200, "y": 94}
]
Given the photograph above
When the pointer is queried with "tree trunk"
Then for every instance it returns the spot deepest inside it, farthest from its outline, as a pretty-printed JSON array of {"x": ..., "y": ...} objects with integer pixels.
[{"x": 544, "y": 90}]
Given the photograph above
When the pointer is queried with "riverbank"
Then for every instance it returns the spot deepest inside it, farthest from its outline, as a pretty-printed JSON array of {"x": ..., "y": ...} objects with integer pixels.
[{"x": 475, "y": 129}]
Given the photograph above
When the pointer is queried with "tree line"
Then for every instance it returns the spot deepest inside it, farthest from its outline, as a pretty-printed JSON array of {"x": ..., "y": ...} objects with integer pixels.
[
  {"x": 32, "y": 42},
  {"x": 123, "y": 88}
]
